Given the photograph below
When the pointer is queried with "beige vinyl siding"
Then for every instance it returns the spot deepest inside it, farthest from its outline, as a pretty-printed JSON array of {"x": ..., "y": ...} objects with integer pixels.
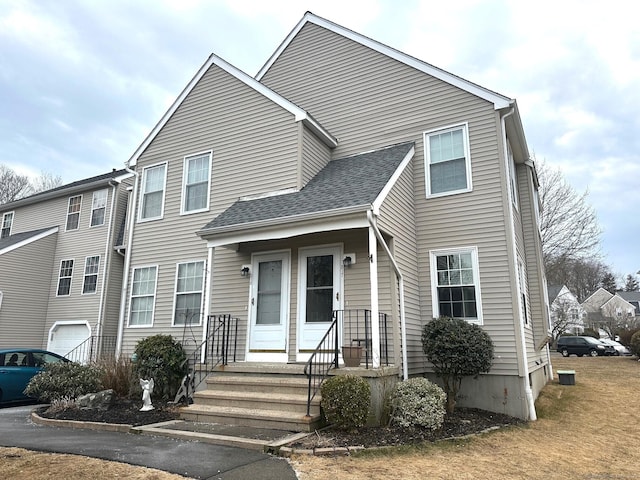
[
  {"x": 255, "y": 151},
  {"x": 397, "y": 218},
  {"x": 315, "y": 155},
  {"x": 368, "y": 100},
  {"x": 24, "y": 281}
]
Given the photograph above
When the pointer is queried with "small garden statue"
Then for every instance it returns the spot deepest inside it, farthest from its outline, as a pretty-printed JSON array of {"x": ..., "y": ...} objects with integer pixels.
[{"x": 147, "y": 390}]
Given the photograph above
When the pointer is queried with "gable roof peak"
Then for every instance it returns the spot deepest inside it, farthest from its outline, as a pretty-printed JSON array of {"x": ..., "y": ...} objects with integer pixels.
[{"x": 499, "y": 101}]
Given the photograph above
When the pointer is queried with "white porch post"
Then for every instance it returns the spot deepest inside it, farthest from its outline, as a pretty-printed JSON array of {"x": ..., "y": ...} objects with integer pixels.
[{"x": 373, "y": 278}]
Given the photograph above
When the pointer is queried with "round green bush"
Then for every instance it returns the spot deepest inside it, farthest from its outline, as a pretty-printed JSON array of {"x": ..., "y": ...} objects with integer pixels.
[
  {"x": 457, "y": 349},
  {"x": 345, "y": 401},
  {"x": 64, "y": 380},
  {"x": 162, "y": 358},
  {"x": 417, "y": 402},
  {"x": 634, "y": 346}
]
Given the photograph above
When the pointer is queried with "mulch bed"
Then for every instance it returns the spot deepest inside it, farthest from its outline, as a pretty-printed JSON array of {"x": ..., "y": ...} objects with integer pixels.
[
  {"x": 125, "y": 412},
  {"x": 464, "y": 421}
]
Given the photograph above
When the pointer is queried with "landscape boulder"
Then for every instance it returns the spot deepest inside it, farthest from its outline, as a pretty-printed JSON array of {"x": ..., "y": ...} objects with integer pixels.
[{"x": 97, "y": 401}]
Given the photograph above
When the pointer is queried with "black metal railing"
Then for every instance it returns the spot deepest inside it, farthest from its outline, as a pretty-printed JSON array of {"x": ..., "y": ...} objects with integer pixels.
[
  {"x": 322, "y": 360},
  {"x": 218, "y": 348},
  {"x": 356, "y": 327},
  {"x": 93, "y": 349}
]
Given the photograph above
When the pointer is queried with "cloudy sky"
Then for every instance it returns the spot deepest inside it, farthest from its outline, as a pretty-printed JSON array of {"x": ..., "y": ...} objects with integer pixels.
[{"x": 82, "y": 82}]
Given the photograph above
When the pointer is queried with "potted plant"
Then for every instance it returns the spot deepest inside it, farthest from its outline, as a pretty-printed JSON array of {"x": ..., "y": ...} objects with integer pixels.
[{"x": 352, "y": 355}]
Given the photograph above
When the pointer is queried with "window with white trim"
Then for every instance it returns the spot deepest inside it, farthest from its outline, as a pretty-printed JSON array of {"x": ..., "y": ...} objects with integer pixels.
[
  {"x": 73, "y": 212},
  {"x": 153, "y": 186},
  {"x": 188, "y": 301},
  {"x": 91, "y": 266},
  {"x": 7, "y": 223},
  {"x": 455, "y": 284},
  {"x": 64, "y": 278},
  {"x": 524, "y": 292},
  {"x": 447, "y": 161},
  {"x": 143, "y": 295},
  {"x": 98, "y": 207},
  {"x": 195, "y": 183}
]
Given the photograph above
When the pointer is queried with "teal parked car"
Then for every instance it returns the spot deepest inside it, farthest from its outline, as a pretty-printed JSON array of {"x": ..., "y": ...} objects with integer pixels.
[{"x": 18, "y": 366}]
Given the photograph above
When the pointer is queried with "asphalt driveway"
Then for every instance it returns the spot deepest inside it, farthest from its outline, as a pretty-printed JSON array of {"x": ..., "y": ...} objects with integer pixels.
[{"x": 191, "y": 459}]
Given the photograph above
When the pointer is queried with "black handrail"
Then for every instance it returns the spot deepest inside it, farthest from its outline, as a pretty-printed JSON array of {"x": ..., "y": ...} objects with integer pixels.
[
  {"x": 324, "y": 357},
  {"x": 218, "y": 348},
  {"x": 94, "y": 348}
]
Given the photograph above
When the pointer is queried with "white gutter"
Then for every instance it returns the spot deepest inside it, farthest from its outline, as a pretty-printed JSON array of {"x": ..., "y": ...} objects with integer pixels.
[
  {"x": 403, "y": 326},
  {"x": 107, "y": 259},
  {"x": 127, "y": 262},
  {"x": 521, "y": 337}
]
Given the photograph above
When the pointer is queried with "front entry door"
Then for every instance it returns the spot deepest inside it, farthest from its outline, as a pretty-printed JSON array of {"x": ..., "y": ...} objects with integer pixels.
[
  {"x": 319, "y": 288},
  {"x": 269, "y": 307}
]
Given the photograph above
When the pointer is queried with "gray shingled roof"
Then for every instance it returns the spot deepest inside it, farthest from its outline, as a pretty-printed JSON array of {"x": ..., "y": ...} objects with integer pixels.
[
  {"x": 553, "y": 291},
  {"x": 346, "y": 182},
  {"x": 21, "y": 237},
  {"x": 62, "y": 190}
]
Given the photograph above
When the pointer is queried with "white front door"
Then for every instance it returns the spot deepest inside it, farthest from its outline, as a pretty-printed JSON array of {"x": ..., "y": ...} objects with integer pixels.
[
  {"x": 269, "y": 307},
  {"x": 319, "y": 294}
]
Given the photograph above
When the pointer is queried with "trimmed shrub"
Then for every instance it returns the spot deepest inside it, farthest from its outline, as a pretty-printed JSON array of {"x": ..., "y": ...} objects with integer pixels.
[
  {"x": 58, "y": 381},
  {"x": 162, "y": 358},
  {"x": 345, "y": 401},
  {"x": 626, "y": 335},
  {"x": 457, "y": 349},
  {"x": 634, "y": 346},
  {"x": 417, "y": 402}
]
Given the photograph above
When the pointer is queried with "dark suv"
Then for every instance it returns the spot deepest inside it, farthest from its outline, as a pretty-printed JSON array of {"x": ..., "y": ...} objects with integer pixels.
[{"x": 583, "y": 346}]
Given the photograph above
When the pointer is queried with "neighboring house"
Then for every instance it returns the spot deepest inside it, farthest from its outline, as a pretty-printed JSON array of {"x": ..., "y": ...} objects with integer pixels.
[
  {"x": 567, "y": 315},
  {"x": 608, "y": 312},
  {"x": 347, "y": 177},
  {"x": 634, "y": 299},
  {"x": 60, "y": 275}
]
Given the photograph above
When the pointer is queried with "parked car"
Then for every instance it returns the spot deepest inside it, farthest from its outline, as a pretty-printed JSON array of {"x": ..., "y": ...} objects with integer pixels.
[
  {"x": 620, "y": 349},
  {"x": 18, "y": 366},
  {"x": 583, "y": 346}
]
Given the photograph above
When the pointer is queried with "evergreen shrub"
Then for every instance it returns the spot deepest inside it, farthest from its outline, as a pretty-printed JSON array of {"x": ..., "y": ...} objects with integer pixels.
[{"x": 345, "y": 401}]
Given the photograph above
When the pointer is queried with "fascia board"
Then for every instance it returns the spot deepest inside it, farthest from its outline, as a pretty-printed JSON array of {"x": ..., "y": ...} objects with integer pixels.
[
  {"x": 29, "y": 240},
  {"x": 377, "y": 203},
  {"x": 298, "y": 113},
  {"x": 499, "y": 101}
]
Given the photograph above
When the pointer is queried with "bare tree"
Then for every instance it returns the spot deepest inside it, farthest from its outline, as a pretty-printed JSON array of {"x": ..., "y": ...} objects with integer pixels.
[
  {"x": 46, "y": 181},
  {"x": 582, "y": 276},
  {"x": 565, "y": 313},
  {"x": 568, "y": 224},
  {"x": 12, "y": 185}
]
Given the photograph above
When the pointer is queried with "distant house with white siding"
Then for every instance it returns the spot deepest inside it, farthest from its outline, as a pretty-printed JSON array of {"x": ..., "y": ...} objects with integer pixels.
[
  {"x": 60, "y": 272},
  {"x": 347, "y": 181}
]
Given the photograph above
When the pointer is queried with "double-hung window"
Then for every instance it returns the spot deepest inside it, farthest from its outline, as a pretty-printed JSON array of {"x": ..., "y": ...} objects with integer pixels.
[
  {"x": 455, "y": 284},
  {"x": 73, "y": 212},
  {"x": 524, "y": 292},
  {"x": 98, "y": 207},
  {"x": 143, "y": 294},
  {"x": 7, "y": 223},
  {"x": 188, "y": 301},
  {"x": 153, "y": 185},
  {"x": 447, "y": 161},
  {"x": 513, "y": 177},
  {"x": 64, "y": 278},
  {"x": 196, "y": 178},
  {"x": 91, "y": 266}
]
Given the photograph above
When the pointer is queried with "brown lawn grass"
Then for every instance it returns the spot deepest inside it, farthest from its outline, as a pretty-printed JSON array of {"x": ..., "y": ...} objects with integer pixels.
[{"x": 588, "y": 431}]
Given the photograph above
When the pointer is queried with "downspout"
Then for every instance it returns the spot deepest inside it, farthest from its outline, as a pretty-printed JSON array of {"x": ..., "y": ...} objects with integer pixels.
[
  {"x": 127, "y": 261},
  {"x": 403, "y": 327},
  {"x": 520, "y": 338},
  {"x": 107, "y": 260}
]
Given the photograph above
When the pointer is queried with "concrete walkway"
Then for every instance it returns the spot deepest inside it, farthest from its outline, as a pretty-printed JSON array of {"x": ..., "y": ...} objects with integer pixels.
[{"x": 193, "y": 459}]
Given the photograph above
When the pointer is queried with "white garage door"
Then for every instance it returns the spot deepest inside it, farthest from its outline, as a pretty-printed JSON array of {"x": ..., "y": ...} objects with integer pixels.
[{"x": 64, "y": 338}]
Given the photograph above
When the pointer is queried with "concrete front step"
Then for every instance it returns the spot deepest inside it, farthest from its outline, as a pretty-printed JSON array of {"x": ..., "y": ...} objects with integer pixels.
[
  {"x": 257, "y": 400},
  {"x": 274, "y": 419},
  {"x": 257, "y": 382}
]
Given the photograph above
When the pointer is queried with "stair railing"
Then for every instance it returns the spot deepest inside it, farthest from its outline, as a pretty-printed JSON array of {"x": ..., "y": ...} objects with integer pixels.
[
  {"x": 94, "y": 348},
  {"x": 217, "y": 349},
  {"x": 322, "y": 360}
]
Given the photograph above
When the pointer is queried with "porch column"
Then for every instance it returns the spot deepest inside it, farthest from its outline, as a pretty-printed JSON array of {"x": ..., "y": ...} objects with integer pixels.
[{"x": 373, "y": 280}]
